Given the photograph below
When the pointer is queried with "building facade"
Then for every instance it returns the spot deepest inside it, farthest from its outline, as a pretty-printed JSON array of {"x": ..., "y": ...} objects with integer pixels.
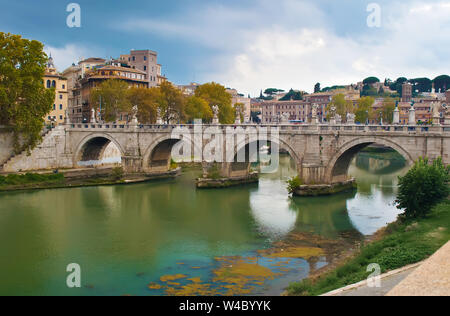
[
  {"x": 74, "y": 75},
  {"x": 406, "y": 92},
  {"x": 134, "y": 78},
  {"x": 272, "y": 111},
  {"x": 146, "y": 61},
  {"x": 52, "y": 79},
  {"x": 138, "y": 68}
]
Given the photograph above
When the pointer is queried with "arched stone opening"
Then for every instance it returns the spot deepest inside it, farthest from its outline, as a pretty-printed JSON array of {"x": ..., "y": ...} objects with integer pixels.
[
  {"x": 161, "y": 156},
  {"x": 339, "y": 165},
  {"x": 265, "y": 153},
  {"x": 98, "y": 151}
]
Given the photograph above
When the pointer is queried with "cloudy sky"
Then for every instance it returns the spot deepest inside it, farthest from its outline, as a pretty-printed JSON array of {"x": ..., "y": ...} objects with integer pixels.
[{"x": 248, "y": 44}]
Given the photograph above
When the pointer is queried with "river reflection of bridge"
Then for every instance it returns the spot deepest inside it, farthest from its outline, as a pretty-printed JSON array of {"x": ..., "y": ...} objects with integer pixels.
[{"x": 382, "y": 163}]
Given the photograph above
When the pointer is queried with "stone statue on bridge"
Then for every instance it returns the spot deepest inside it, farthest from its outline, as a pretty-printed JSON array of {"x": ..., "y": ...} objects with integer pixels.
[
  {"x": 134, "y": 120},
  {"x": 159, "y": 120},
  {"x": 412, "y": 115},
  {"x": 446, "y": 114},
  {"x": 67, "y": 118},
  {"x": 333, "y": 115},
  {"x": 93, "y": 119},
  {"x": 285, "y": 118},
  {"x": 436, "y": 115},
  {"x": 396, "y": 115},
  {"x": 238, "y": 115},
  {"x": 314, "y": 118},
  {"x": 350, "y": 118},
  {"x": 215, "y": 109}
]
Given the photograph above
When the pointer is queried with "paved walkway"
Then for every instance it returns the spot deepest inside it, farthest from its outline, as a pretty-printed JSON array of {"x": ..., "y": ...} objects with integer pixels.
[
  {"x": 388, "y": 282},
  {"x": 432, "y": 278},
  {"x": 428, "y": 278}
]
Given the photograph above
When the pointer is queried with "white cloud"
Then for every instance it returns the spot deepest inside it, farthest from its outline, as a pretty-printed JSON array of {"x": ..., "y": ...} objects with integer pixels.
[
  {"x": 63, "y": 57},
  {"x": 293, "y": 44},
  {"x": 412, "y": 43}
]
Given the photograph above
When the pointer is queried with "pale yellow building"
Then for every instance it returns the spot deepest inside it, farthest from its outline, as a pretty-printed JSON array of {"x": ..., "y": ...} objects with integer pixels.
[{"x": 52, "y": 79}]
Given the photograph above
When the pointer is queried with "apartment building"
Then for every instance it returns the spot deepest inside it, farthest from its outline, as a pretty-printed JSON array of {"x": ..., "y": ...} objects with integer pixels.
[
  {"x": 134, "y": 78},
  {"x": 146, "y": 61},
  {"x": 52, "y": 79},
  {"x": 74, "y": 75}
]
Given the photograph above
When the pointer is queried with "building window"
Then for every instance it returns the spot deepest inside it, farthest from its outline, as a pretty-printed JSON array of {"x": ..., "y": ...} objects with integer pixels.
[
  {"x": 134, "y": 58},
  {"x": 60, "y": 96},
  {"x": 145, "y": 68},
  {"x": 145, "y": 57},
  {"x": 60, "y": 106},
  {"x": 49, "y": 84},
  {"x": 63, "y": 86},
  {"x": 54, "y": 107},
  {"x": 60, "y": 117},
  {"x": 54, "y": 84}
]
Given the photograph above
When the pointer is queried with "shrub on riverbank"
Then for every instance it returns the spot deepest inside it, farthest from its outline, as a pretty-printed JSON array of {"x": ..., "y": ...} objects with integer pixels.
[
  {"x": 404, "y": 242},
  {"x": 423, "y": 187},
  {"x": 117, "y": 173},
  {"x": 294, "y": 184},
  {"x": 30, "y": 178}
]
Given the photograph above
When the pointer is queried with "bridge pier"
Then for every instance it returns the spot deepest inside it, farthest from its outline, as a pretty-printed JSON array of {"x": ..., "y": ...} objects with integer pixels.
[
  {"x": 220, "y": 175},
  {"x": 132, "y": 164},
  {"x": 315, "y": 182}
]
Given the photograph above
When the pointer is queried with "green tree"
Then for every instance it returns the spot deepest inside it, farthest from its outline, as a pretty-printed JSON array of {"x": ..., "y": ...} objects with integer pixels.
[
  {"x": 368, "y": 90},
  {"x": 442, "y": 83},
  {"x": 147, "y": 102},
  {"x": 342, "y": 106},
  {"x": 364, "y": 109},
  {"x": 292, "y": 95},
  {"x": 317, "y": 87},
  {"x": 370, "y": 80},
  {"x": 422, "y": 84},
  {"x": 198, "y": 108},
  {"x": 326, "y": 89},
  {"x": 272, "y": 91},
  {"x": 388, "y": 110},
  {"x": 172, "y": 103},
  {"x": 24, "y": 101},
  {"x": 113, "y": 99},
  {"x": 216, "y": 94},
  {"x": 397, "y": 85},
  {"x": 424, "y": 186}
]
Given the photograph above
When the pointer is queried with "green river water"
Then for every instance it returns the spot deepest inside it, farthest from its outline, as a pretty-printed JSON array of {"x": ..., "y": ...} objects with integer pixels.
[{"x": 126, "y": 237}]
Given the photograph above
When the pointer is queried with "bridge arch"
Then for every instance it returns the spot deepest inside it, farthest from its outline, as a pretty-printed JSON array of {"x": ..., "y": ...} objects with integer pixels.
[
  {"x": 158, "y": 155},
  {"x": 339, "y": 164},
  {"x": 92, "y": 148},
  {"x": 244, "y": 145}
]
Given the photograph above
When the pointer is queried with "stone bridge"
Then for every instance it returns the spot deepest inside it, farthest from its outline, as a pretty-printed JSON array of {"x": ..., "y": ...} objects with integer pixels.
[{"x": 322, "y": 153}]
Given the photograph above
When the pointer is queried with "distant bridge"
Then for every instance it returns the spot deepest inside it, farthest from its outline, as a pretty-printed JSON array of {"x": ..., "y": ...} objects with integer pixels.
[{"x": 322, "y": 153}]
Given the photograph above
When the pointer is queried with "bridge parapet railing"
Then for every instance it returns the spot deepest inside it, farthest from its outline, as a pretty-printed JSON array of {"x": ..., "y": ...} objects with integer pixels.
[{"x": 282, "y": 127}]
